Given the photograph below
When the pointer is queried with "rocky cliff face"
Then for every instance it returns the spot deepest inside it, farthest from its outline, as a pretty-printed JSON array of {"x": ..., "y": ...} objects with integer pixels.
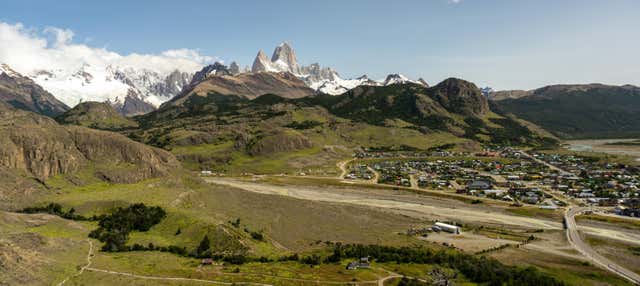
[
  {"x": 23, "y": 93},
  {"x": 39, "y": 146},
  {"x": 284, "y": 56},
  {"x": 261, "y": 63}
]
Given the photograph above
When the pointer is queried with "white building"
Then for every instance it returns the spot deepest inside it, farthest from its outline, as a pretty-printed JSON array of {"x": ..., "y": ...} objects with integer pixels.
[{"x": 448, "y": 227}]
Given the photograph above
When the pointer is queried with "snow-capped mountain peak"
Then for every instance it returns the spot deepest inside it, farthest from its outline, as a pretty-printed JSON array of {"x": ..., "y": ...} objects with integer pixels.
[
  {"x": 4, "y": 68},
  {"x": 284, "y": 57},
  {"x": 323, "y": 79},
  {"x": 395, "y": 79},
  {"x": 131, "y": 90}
]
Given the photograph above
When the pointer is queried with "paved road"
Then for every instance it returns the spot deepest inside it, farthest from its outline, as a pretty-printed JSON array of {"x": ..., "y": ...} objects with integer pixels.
[{"x": 576, "y": 241}]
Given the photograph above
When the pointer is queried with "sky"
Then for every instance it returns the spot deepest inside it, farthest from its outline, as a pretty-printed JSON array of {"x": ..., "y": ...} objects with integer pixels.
[{"x": 504, "y": 44}]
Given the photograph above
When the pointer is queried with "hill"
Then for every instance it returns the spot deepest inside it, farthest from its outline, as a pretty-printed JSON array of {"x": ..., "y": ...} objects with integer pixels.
[
  {"x": 579, "y": 111},
  {"x": 23, "y": 93},
  {"x": 97, "y": 115},
  {"x": 247, "y": 85},
  {"x": 35, "y": 148},
  {"x": 455, "y": 106},
  {"x": 271, "y": 133}
]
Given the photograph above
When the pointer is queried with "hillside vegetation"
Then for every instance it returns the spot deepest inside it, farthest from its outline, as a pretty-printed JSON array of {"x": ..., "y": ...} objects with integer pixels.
[
  {"x": 579, "y": 111},
  {"x": 271, "y": 133},
  {"x": 97, "y": 115}
]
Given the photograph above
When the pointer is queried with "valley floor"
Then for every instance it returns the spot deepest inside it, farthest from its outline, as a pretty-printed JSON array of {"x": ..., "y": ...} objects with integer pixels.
[{"x": 300, "y": 214}]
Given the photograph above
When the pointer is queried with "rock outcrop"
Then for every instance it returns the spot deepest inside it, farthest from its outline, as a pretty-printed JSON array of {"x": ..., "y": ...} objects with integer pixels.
[{"x": 39, "y": 146}]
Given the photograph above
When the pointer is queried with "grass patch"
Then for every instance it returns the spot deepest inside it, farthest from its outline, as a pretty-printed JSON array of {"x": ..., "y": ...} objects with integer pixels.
[{"x": 628, "y": 223}]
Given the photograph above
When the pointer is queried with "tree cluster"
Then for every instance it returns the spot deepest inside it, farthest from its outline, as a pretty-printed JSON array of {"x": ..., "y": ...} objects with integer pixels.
[
  {"x": 477, "y": 269},
  {"x": 114, "y": 228}
]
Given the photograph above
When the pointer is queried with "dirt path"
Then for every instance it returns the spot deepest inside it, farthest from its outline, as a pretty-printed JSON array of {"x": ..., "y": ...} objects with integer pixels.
[
  {"x": 343, "y": 167},
  {"x": 147, "y": 277},
  {"x": 173, "y": 278},
  {"x": 376, "y": 175},
  {"x": 89, "y": 256}
]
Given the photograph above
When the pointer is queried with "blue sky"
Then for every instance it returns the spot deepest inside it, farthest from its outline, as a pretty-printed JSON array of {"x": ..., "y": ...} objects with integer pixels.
[{"x": 503, "y": 44}]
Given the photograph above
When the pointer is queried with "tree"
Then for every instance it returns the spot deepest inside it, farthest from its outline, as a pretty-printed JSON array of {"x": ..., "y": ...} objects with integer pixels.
[{"x": 204, "y": 245}]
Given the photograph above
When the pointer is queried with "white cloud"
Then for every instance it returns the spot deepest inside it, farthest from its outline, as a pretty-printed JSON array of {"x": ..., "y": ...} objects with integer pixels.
[
  {"x": 455, "y": 1},
  {"x": 63, "y": 36},
  {"x": 28, "y": 50}
]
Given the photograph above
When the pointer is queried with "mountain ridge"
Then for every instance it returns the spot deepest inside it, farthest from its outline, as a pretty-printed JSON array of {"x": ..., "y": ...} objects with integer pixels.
[
  {"x": 23, "y": 93},
  {"x": 578, "y": 110}
]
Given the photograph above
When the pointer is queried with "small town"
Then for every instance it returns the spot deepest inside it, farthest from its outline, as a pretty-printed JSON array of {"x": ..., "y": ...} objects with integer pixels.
[{"x": 508, "y": 174}]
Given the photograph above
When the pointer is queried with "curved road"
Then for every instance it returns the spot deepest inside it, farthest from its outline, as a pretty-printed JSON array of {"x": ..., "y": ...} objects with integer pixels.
[{"x": 576, "y": 241}]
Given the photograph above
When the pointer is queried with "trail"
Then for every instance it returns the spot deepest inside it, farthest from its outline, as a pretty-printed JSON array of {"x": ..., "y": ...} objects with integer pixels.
[
  {"x": 174, "y": 278},
  {"x": 89, "y": 256},
  {"x": 378, "y": 282}
]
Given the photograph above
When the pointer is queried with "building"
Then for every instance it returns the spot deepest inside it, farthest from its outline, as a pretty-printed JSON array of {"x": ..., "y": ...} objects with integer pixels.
[
  {"x": 363, "y": 263},
  {"x": 479, "y": 185},
  {"x": 448, "y": 227}
]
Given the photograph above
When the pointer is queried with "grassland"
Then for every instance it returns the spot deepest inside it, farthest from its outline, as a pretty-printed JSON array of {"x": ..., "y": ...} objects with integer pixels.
[
  {"x": 572, "y": 271},
  {"x": 38, "y": 248},
  {"x": 627, "y": 223},
  {"x": 621, "y": 253},
  {"x": 537, "y": 212}
]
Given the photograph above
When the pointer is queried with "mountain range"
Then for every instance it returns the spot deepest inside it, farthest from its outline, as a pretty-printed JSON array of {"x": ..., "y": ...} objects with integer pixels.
[
  {"x": 322, "y": 79},
  {"x": 135, "y": 91},
  {"x": 567, "y": 111}
]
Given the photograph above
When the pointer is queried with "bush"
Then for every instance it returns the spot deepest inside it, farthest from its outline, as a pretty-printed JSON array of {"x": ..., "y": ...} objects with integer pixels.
[
  {"x": 307, "y": 124},
  {"x": 257, "y": 235}
]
